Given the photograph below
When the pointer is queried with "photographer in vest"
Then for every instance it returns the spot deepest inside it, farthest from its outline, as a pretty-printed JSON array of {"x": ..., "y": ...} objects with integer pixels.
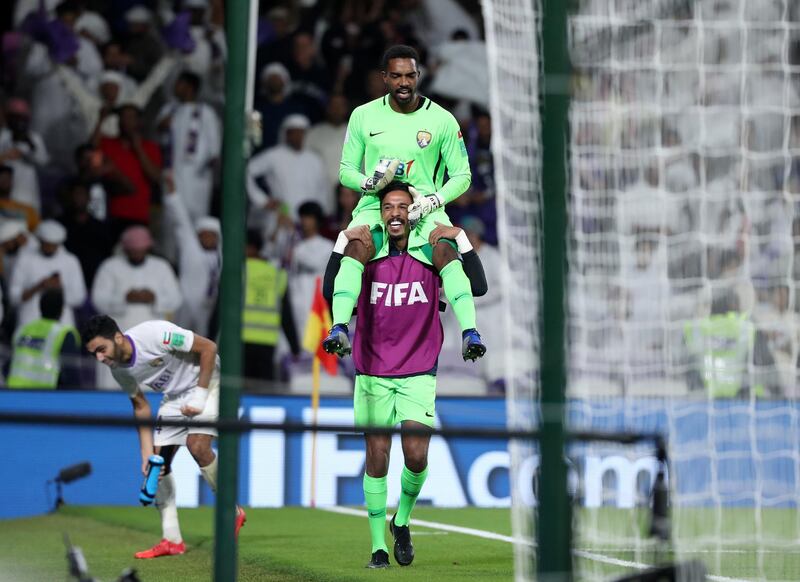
[{"x": 46, "y": 352}]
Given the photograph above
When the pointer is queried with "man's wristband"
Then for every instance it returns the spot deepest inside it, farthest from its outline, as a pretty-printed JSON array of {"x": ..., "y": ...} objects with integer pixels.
[{"x": 462, "y": 240}]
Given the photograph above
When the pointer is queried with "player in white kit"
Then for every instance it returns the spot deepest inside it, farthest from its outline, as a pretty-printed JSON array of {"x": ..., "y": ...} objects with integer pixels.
[{"x": 184, "y": 367}]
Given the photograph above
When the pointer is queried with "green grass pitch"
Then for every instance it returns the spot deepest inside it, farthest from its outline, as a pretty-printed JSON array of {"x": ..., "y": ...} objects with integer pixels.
[{"x": 296, "y": 544}]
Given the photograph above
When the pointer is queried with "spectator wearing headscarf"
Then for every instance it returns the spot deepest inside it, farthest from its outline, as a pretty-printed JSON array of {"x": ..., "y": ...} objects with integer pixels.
[
  {"x": 24, "y": 151},
  {"x": 136, "y": 286},
  {"x": 51, "y": 267},
  {"x": 275, "y": 102},
  {"x": 15, "y": 241},
  {"x": 291, "y": 171},
  {"x": 199, "y": 260},
  {"x": 193, "y": 138}
]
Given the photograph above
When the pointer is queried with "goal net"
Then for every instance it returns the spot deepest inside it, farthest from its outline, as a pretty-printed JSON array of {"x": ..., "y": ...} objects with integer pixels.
[{"x": 683, "y": 255}]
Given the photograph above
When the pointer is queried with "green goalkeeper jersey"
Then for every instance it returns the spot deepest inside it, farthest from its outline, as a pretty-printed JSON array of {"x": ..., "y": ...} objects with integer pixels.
[{"x": 427, "y": 141}]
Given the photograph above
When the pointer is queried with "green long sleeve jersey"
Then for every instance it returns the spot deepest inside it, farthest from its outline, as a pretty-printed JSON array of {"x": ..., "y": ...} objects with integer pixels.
[{"x": 427, "y": 141}]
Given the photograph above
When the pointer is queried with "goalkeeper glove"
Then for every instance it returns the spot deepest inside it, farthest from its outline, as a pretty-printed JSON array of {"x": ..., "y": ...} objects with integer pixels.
[
  {"x": 383, "y": 174},
  {"x": 422, "y": 206}
]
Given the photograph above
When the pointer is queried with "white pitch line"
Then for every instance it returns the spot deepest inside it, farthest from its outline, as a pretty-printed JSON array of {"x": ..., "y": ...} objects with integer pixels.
[
  {"x": 478, "y": 533},
  {"x": 488, "y": 535}
]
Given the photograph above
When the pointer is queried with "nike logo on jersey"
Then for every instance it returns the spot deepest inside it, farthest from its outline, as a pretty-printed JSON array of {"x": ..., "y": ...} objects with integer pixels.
[
  {"x": 428, "y": 414},
  {"x": 371, "y": 134}
]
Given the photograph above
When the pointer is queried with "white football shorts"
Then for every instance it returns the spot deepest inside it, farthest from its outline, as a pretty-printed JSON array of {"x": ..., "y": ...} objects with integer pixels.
[{"x": 171, "y": 409}]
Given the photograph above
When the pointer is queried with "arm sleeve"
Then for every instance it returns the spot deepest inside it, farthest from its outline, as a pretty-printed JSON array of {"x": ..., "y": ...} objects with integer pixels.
[
  {"x": 189, "y": 249},
  {"x": 89, "y": 103},
  {"x": 473, "y": 268},
  {"x": 456, "y": 161},
  {"x": 69, "y": 376},
  {"x": 258, "y": 166},
  {"x": 287, "y": 323},
  {"x": 153, "y": 81},
  {"x": 39, "y": 153},
  {"x": 352, "y": 154},
  {"x": 330, "y": 276}
]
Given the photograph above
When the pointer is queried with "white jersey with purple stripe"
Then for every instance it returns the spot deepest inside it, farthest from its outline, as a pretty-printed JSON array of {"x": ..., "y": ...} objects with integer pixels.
[
  {"x": 162, "y": 360},
  {"x": 398, "y": 330}
]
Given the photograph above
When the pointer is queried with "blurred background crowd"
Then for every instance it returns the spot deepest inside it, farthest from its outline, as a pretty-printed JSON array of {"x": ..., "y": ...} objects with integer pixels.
[{"x": 110, "y": 144}]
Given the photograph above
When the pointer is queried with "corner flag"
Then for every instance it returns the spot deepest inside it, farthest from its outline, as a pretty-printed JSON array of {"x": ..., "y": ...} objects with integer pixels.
[{"x": 319, "y": 322}]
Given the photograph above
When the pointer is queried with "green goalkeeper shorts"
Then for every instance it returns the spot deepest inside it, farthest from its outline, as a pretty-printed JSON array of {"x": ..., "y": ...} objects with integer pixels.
[
  {"x": 380, "y": 401},
  {"x": 418, "y": 245}
]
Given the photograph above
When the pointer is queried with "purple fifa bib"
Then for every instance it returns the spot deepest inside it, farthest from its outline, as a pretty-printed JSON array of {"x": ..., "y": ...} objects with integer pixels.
[{"x": 398, "y": 331}]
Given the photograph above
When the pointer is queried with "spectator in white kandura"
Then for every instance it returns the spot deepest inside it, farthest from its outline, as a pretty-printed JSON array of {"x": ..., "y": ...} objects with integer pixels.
[
  {"x": 192, "y": 133},
  {"x": 88, "y": 61},
  {"x": 143, "y": 46},
  {"x": 326, "y": 137},
  {"x": 275, "y": 101},
  {"x": 15, "y": 242},
  {"x": 134, "y": 287},
  {"x": 309, "y": 259},
  {"x": 207, "y": 58},
  {"x": 55, "y": 113},
  {"x": 51, "y": 267},
  {"x": 199, "y": 261},
  {"x": 24, "y": 151},
  {"x": 293, "y": 173}
]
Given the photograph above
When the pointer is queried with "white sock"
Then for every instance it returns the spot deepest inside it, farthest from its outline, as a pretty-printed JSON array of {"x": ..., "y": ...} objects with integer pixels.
[
  {"x": 209, "y": 473},
  {"x": 165, "y": 502}
]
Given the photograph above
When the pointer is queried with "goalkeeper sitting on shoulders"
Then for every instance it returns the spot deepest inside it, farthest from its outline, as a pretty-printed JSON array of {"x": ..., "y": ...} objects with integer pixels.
[{"x": 403, "y": 136}]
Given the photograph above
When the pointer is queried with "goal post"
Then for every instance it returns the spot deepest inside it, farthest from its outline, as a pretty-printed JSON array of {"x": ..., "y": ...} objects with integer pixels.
[{"x": 683, "y": 256}]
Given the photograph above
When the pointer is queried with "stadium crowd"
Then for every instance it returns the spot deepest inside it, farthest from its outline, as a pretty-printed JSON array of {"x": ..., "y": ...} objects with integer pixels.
[{"x": 110, "y": 147}]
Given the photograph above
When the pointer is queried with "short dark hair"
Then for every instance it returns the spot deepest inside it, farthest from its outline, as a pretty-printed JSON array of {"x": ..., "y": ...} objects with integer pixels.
[
  {"x": 99, "y": 325},
  {"x": 67, "y": 7},
  {"x": 392, "y": 187},
  {"x": 311, "y": 208},
  {"x": 80, "y": 150},
  {"x": 399, "y": 51},
  {"x": 254, "y": 239},
  {"x": 51, "y": 304},
  {"x": 191, "y": 79}
]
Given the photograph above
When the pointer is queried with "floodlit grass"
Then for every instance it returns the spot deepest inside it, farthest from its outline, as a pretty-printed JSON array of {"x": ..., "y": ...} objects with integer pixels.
[
  {"x": 295, "y": 544},
  {"x": 290, "y": 544}
]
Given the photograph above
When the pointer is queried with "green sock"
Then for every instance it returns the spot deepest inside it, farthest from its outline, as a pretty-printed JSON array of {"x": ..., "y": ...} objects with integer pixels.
[
  {"x": 458, "y": 293},
  {"x": 375, "y": 496},
  {"x": 410, "y": 486},
  {"x": 346, "y": 288}
]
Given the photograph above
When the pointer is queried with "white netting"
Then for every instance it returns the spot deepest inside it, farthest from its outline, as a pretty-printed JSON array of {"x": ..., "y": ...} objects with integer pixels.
[
  {"x": 684, "y": 252},
  {"x": 684, "y": 176},
  {"x": 511, "y": 41}
]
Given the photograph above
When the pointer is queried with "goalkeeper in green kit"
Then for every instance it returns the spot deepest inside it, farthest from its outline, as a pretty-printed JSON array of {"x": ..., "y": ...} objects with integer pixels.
[{"x": 402, "y": 136}]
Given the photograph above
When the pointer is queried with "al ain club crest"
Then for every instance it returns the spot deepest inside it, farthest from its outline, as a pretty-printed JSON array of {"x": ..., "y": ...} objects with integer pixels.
[{"x": 423, "y": 138}]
